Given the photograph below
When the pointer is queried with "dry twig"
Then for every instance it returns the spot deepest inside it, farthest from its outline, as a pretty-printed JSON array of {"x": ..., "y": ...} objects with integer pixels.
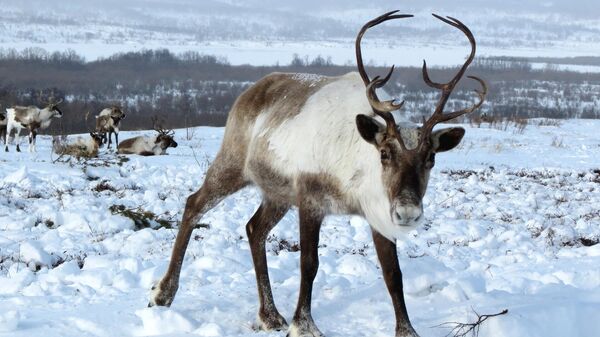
[{"x": 464, "y": 329}]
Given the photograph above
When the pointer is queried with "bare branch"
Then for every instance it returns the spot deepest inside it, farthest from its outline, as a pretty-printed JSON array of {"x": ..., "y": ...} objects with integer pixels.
[{"x": 464, "y": 329}]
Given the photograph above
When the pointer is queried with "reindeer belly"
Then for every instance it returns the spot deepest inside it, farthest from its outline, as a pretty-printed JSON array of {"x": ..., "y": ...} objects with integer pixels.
[{"x": 275, "y": 185}]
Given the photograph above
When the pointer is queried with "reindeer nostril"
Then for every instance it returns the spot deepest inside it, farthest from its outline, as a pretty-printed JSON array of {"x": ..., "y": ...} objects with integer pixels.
[{"x": 407, "y": 214}]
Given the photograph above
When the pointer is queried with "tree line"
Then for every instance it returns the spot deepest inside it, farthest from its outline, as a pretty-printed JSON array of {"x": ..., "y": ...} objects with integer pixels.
[{"x": 190, "y": 89}]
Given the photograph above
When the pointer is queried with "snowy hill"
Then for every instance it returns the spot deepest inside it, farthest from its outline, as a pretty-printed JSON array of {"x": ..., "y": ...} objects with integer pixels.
[
  {"x": 512, "y": 223},
  {"x": 266, "y": 32}
]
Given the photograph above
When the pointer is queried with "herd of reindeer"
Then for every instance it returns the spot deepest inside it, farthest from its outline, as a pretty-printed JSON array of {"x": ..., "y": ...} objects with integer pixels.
[
  {"x": 325, "y": 145},
  {"x": 108, "y": 123}
]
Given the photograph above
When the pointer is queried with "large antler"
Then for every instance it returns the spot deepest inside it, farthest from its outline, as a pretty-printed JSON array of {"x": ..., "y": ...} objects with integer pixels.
[
  {"x": 447, "y": 88},
  {"x": 383, "y": 109}
]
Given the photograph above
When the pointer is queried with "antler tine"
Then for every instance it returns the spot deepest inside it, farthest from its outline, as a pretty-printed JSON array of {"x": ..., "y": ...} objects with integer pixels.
[
  {"x": 447, "y": 88},
  {"x": 481, "y": 94},
  {"x": 450, "y": 85},
  {"x": 384, "y": 109},
  {"x": 382, "y": 18},
  {"x": 377, "y": 105}
]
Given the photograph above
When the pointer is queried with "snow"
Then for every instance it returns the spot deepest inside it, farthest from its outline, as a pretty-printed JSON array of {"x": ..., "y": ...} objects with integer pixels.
[
  {"x": 566, "y": 67},
  {"x": 341, "y": 52},
  {"x": 511, "y": 221}
]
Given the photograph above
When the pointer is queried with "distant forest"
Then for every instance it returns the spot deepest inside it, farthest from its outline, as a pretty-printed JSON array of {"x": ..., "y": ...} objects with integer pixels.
[{"x": 191, "y": 89}]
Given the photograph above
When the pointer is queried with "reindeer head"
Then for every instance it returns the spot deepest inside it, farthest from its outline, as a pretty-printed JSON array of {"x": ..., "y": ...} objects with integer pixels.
[
  {"x": 53, "y": 108},
  {"x": 164, "y": 137},
  {"x": 98, "y": 138},
  {"x": 407, "y": 154},
  {"x": 116, "y": 113},
  {"x": 166, "y": 140}
]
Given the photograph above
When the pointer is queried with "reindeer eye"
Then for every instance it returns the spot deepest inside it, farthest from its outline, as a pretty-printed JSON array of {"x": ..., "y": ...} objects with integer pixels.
[{"x": 384, "y": 154}]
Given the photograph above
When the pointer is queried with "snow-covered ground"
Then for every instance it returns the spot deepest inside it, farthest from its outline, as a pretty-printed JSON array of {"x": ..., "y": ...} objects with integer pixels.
[{"x": 512, "y": 222}]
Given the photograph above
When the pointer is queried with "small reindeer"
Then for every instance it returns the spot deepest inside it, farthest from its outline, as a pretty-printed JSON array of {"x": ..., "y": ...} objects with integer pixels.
[
  {"x": 149, "y": 146},
  {"x": 108, "y": 122},
  {"x": 3, "y": 122},
  {"x": 32, "y": 118},
  {"x": 326, "y": 145},
  {"x": 82, "y": 146}
]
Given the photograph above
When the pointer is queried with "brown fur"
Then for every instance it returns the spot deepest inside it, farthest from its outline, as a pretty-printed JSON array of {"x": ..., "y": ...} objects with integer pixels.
[
  {"x": 125, "y": 145},
  {"x": 21, "y": 113},
  {"x": 279, "y": 91}
]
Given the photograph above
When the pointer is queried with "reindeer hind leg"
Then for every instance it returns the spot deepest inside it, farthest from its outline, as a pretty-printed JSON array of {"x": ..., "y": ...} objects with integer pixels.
[
  {"x": 266, "y": 217},
  {"x": 224, "y": 177}
]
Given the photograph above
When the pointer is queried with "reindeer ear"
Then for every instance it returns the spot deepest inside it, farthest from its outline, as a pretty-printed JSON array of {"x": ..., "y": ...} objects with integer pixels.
[
  {"x": 446, "y": 139},
  {"x": 370, "y": 130}
]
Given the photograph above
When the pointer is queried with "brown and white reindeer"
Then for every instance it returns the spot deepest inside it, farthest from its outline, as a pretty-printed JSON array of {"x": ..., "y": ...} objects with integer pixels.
[
  {"x": 32, "y": 118},
  {"x": 149, "y": 146},
  {"x": 86, "y": 147},
  {"x": 108, "y": 122},
  {"x": 326, "y": 145},
  {"x": 3, "y": 122}
]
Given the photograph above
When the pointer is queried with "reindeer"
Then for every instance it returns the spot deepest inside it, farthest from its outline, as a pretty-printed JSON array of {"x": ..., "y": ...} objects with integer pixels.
[
  {"x": 3, "y": 122},
  {"x": 81, "y": 147},
  {"x": 108, "y": 122},
  {"x": 149, "y": 146},
  {"x": 323, "y": 145},
  {"x": 32, "y": 118}
]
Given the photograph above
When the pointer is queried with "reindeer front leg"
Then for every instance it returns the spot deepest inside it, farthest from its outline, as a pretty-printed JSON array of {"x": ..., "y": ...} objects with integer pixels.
[
  {"x": 388, "y": 258},
  {"x": 8, "y": 131},
  {"x": 17, "y": 140},
  {"x": 32, "y": 137},
  {"x": 109, "y": 139},
  {"x": 310, "y": 225}
]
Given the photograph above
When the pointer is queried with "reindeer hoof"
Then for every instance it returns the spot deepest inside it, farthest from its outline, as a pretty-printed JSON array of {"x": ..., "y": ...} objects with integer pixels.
[
  {"x": 270, "y": 322},
  {"x": 162, "y": 295},
  {"x": 305, "y": 328}
]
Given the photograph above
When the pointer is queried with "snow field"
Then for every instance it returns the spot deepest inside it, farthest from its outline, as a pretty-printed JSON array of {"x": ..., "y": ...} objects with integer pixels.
[{"x": 512, "y": 223}]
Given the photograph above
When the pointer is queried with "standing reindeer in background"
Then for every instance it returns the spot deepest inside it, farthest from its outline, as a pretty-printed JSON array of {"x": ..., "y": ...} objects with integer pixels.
[
  {"x": 327, "y": 145},
  {"x": 3, "y": 122},
  {"x": 149, "y": 146},
  {"x": 32, "y": 118},
  {"x": 108, "y": 122}
]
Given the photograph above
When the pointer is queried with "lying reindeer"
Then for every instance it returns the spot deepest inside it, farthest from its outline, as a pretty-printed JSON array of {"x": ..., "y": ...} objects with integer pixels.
[
  {"x": 326, "y": 145},
  {"x": 108, "y": 122},
  {"x": 81, "y": 147},
  {"x": 148, "y": 146},
  {"x": 32, "y": 118}
]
